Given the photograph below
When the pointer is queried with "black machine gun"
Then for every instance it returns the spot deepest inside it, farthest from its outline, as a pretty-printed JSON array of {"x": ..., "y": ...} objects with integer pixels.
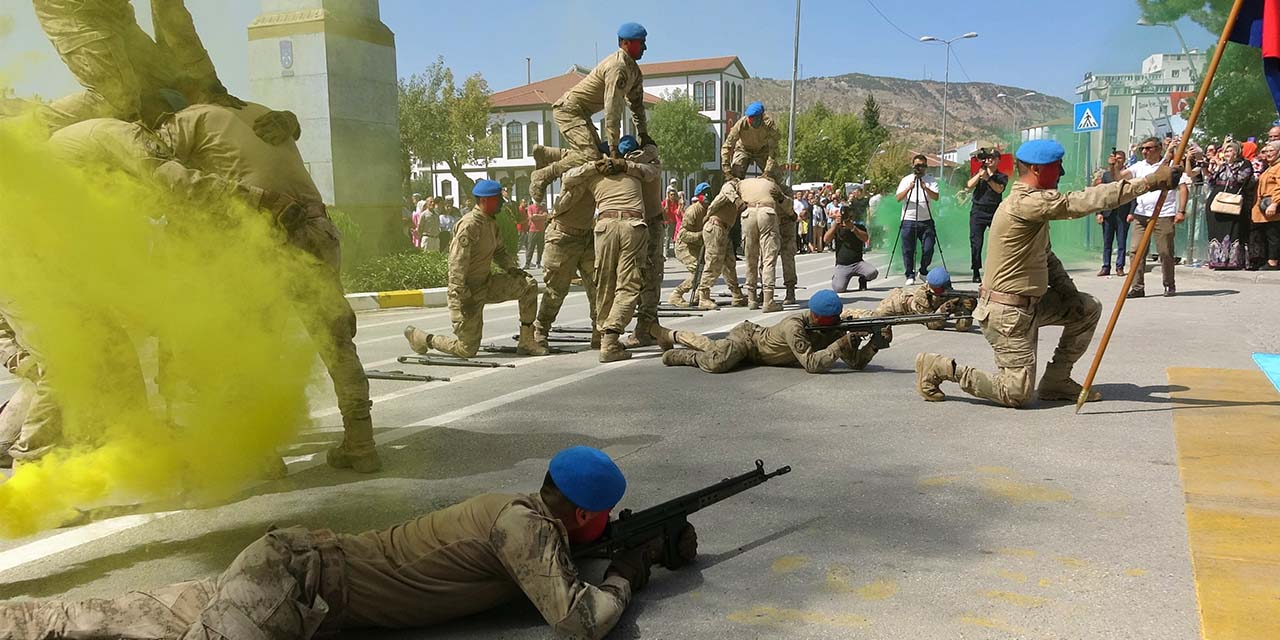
[
  {"x": 875, "y": 326},
  {"x": 662, "y": 525}
]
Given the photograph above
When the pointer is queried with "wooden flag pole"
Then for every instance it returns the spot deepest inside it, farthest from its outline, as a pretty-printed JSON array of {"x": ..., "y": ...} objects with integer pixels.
[{"x": 1139, "y": 257}]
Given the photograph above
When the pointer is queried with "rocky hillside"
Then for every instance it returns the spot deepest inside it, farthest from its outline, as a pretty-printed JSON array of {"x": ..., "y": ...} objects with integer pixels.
[{"x": 913, "y": 108}]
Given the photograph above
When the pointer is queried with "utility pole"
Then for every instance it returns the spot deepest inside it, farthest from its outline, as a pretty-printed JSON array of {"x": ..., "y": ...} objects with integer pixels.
[
  {"x": 791, "y": 122},
  {"x": 946, "y": 79},
  {"x": 528, "y": 70}
]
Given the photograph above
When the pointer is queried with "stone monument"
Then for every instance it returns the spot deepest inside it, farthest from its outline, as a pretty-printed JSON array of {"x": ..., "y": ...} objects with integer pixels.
[{"x": 333, "y": 63}]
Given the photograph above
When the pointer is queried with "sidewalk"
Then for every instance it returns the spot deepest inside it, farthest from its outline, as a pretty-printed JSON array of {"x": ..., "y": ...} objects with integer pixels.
[{"x": 1242, "y": 277}]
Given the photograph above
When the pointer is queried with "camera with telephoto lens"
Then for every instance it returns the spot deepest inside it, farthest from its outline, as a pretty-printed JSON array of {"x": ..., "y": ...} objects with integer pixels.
[
  {"x": 986, "y": 154},
  {"x": 919, "y": 169}
]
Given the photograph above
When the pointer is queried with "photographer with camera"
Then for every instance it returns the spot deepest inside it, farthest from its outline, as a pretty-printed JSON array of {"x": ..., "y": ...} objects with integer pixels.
[
  {"x": 914, "y": 192},
  {"x": 849, "y": 233},
  {"x": 988, "y": 186}
]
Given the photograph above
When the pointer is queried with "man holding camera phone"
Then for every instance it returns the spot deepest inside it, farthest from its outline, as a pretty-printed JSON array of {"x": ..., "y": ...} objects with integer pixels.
[
  {"x": 988, "y": 186},
  {"x": 914, "y": 192}
]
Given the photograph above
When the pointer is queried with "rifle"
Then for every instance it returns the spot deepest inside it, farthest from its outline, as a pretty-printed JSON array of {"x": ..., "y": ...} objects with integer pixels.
[
  {"x": 452, "y": 362},
  {"x": 664, "y": 523},
  {"x": 378, "y": 374},
  {"x": 873, "y": 326}
]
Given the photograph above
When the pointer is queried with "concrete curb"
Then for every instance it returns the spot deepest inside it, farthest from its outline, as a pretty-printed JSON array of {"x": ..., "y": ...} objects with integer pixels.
[{"x": 1241, "y": 277}]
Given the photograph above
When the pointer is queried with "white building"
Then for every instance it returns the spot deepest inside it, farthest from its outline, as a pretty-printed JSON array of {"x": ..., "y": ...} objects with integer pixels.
[
  {"x": 1134, "y": 104},
  {"x": 522, "y": 117}
]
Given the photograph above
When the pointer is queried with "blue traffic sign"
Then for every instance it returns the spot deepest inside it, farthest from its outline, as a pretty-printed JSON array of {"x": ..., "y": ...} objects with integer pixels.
[{"x": 1088, "y": 116}]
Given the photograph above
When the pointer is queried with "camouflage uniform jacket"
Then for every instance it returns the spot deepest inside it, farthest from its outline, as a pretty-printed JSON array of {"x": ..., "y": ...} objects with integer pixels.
[
  {"x": 476, "y": 245},
  {"x": 726, "y": 205},
  {"x": 789, "y": 343},
  {"x": 615, "y": 79},
  {"x": 757, "y": 141},
  {"x": 1018, "y": 260},
  {"x": 472, "y": 557}
]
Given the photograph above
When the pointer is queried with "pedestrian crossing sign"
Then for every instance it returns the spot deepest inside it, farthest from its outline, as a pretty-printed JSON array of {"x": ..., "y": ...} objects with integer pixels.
[{"x": 1088, "y": 116}]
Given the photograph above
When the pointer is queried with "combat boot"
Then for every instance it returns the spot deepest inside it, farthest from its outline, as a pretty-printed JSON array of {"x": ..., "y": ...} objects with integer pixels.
[
  {"x": 739, "y": 299},
  {"x": 641, "y": 337},
  {"x": 538, "y": 181},
  {"x": 791, "y": 295},
  {"x": 543, "y": 156},
  {"x": 595, "y": 339},
  {"x": 419, "y": 340},
  {"x": 540, "y": 336},
  {"x": 665, "y": 337},
  {"x": 706, "y": 303},
  {"x": 611, "y": 348},
  {"x": 677, "y": 299},
  {"x": 771, "y": 305},
  {"x": 753, "y": 303},
  {"x": 527, "y": 345},
  {"x": 680, "y": 358},
  {"x": 357, "y": 450},
  {"x": 932, "y": 369},
  {"x": 1056, "y": 384}
]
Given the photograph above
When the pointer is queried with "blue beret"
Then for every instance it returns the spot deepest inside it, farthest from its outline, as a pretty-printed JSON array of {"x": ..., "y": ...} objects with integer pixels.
[
  {"x": 825, "y": 303},
  {"x": 701, "y": 189},
  {"x": 632, "y": 31},
  {"x": 487, "y": 188},
  {"x": 588, "y": 478},
  {"x": 938, "y": 278},
  {"x": 754, "y": 109},
  {"x": 1040, "y": 152},
  {"x": 627, "y": 144}
]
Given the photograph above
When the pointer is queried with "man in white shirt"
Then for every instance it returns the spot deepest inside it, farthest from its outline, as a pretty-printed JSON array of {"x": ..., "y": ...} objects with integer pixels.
[
  {"x": 1172, "y": 213},
  {"x": 914, "y": 192}
]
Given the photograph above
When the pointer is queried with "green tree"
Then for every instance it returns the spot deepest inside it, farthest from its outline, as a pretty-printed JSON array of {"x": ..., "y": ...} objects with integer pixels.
[
  {"x": 871, "y": 120},
  {"x": 683, "y": 135},
  {"x": 831, "y": 147},
  {"x": 1239, "y": 101},
  {"x": 440, "y": 123}
]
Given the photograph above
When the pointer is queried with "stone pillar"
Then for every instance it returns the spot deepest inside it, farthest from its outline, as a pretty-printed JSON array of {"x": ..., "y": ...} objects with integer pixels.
[{"x": 333, "y": 63}]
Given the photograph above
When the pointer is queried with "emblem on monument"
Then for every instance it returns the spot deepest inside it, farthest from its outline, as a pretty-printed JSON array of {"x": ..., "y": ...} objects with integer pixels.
[{"x": 286, "y": 54}]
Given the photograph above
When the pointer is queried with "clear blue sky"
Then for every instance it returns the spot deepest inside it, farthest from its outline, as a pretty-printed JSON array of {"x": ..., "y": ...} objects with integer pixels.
[{"x": 1043, "y": 46}]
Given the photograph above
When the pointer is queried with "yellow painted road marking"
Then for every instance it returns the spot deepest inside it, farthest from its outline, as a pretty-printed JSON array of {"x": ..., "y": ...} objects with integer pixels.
[{"x": 1227, "y": 425}]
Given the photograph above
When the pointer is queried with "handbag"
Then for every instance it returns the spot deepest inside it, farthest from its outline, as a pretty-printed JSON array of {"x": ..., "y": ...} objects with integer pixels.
[{"x": 1227, "y": 203}]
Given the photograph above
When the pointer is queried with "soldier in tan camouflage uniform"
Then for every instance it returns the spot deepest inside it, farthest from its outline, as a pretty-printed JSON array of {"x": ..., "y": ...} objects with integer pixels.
[
  {"x": 293, "y": 584},
  {"x": 569, "y": 250},
  {"x": 717, "y": 248},
  {"x": 689, "y": 243},
  {"x": 786, "y": 344},
  {"x": 621, "y": 237},
  {"x": 930, "y": 297},
  {"x": 20, "y": 429},
  {"x": 763, "y": 198},
  {"x": 475, "y": 249},
  {"x": 652, "y": 264},
  {"x": 753, "y": 138},
  {"x": 1025, "y": 286},
  {"x": 209, "y": 152},
  {"x": 615, "y": 79},
  {"x": 788, "y": 232}
]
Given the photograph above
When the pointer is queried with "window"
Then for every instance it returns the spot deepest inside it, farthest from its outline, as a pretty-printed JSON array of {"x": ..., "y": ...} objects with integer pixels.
[
  {"x": 446, "y": 189},
  {"x": 1174, "y": 73},
  {"x": 531, "y": 136},
  {"x": 515, "y": 140},
  {"x": 697, "y": 94},
  {"x": 710, "y": 94},
  {"x": 495, "y": 133}
]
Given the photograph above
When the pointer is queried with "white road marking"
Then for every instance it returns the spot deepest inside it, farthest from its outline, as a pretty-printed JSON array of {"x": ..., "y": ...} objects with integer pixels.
[{"x": 39, "y": 549}]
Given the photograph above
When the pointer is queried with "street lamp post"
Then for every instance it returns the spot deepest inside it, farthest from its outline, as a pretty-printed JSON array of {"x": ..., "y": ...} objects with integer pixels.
[
  {"x": 946, "y": 80},
  {"x": 791, "y": 121},
  {"x": 1195, "y": 74},
  {"x": 1005, "y": 96}
]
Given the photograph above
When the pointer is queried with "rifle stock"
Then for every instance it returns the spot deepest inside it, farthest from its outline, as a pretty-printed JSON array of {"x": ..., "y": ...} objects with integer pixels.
[{"x": 662, "y": 525}]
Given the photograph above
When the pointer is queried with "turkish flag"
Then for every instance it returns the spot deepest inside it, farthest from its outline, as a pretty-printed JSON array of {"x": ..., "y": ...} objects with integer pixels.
[{"x": 1259, "y": 26}]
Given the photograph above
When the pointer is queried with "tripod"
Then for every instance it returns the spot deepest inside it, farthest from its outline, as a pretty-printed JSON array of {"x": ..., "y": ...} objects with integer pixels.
[{"x": 916, "y": 188}]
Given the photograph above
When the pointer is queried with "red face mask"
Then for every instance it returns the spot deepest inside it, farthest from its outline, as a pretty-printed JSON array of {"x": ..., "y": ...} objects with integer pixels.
[
  {"x": 824, "y": 321},
  {"x": 701, "y": 197},
  {"x": 489, "y": 204},
  {"x": 1049, "y": 175},
  {"x": 635, "y": 48},
  {"x": 590, "y": 531},
  {"x": 755, "y": 120}
]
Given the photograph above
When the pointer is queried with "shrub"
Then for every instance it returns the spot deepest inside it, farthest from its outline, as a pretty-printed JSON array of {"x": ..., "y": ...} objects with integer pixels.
[{"x": 397, "y": 271}]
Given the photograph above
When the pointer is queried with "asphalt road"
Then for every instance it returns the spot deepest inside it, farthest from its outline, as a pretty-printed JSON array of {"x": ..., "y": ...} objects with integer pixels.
[{"x": 901, "y": 519}]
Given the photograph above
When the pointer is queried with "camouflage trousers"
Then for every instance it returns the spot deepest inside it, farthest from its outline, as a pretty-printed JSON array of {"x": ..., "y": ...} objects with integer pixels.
[
  {"x": 622, "y": 249},
  {"x": 719, "y": 260},
  {"x": 721, "y": 356},
  {"x": 787, "y": 234},
  {"x": 466, "y": 310},
  {"x": 120, "y": 67},
  {"x": 1013, "y": 333},
  {"x": 331, "y": 323},
  {"x": 577, "y": 132},
  {"x": 568, "y": 252},
  {"x": 760, "y": 229},
  {"x": 281, "y": 587},
  {"x": 653, "y": 268},
  {"x": 743, "y": 159},
  {"x": 688, "y": 252}
]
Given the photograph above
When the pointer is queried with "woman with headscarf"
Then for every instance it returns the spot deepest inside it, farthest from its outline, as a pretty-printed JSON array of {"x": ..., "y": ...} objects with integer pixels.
[
  {"x": 1229, "y": 191},
  {"x": 1264, "y": 239}
]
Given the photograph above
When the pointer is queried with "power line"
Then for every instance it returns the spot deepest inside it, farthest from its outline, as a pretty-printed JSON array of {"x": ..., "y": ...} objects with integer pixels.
[
  {"x": 886, "y": 19},
  {"x": 961, "y": 64}
]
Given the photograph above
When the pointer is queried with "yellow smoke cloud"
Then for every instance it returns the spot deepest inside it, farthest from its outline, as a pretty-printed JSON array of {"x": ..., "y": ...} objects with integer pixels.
[{"x": 172, "y": 349}]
